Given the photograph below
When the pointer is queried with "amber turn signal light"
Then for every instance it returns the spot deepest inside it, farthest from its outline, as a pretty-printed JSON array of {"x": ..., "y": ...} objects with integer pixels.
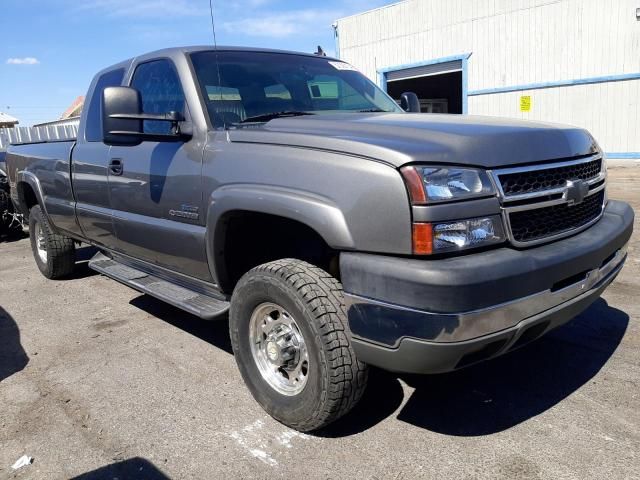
[{"x": 422, "y": 239}]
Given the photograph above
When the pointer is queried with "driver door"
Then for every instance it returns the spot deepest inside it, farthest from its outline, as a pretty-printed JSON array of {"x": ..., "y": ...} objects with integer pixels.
[{"x": 155, "y": 187}]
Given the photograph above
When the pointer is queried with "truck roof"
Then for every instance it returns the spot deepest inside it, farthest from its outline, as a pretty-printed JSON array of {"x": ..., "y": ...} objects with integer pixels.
[{"x": 173, "y": 51}]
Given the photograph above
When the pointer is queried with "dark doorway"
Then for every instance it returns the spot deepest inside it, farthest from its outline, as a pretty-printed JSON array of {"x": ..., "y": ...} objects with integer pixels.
[{"x": 441, "y": 93}]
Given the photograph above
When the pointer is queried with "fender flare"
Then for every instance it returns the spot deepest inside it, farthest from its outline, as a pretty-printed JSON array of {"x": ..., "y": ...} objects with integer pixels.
[
  {"x": 30, "y": 179},
  {"x": 318, "y": 213}
]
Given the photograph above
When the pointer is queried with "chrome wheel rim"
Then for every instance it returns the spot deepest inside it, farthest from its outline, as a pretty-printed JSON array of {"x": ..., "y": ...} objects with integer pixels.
[
  {"x": 41, "y": 244},
  {"x": 278, "y": 348}
]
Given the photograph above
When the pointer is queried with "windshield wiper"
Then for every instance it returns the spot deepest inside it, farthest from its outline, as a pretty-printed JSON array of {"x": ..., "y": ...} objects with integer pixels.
[
  {"x": 265, "y": 117},
  {"x": 372, "y": 110}
]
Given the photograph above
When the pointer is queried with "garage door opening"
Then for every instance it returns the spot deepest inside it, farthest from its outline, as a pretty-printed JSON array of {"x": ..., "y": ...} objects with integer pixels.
[{"x": 440, "y": 93}]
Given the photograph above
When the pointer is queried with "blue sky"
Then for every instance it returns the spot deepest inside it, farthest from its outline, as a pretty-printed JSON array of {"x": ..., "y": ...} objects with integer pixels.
[{"x": 50, "y": 49}]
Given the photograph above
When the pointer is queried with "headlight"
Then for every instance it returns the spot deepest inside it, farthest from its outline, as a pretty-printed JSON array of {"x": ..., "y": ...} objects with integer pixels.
[
  {"x": 430, "y": 238},
  {"x": 441, "y": 184}
]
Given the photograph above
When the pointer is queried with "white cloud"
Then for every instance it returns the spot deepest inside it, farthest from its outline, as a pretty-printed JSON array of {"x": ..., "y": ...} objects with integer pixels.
[
  {"x": 23, "y": 61},
  {"x": 283, "y": 24}
]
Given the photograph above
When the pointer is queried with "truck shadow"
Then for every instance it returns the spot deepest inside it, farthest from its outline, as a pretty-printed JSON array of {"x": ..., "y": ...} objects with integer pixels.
[
  {"x": 133, "y": 468},
  {"x": 215, "y": 332},
  {"x": 14, "y": 236},
  {"x": 13, "y": 358},
  {"x": 498, "y": 394},
  {"x": 82, "y": 270}
]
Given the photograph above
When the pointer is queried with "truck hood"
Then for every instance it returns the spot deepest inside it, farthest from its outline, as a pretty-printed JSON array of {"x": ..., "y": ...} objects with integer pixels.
[{"x": 399, "y": 138}]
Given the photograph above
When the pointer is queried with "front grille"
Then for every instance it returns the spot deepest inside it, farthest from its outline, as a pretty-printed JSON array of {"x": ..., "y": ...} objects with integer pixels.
[
  {"x": 536, "y": 199},
  {"x": 540, "y": 179},
  {"x": 538, "y": 223}
]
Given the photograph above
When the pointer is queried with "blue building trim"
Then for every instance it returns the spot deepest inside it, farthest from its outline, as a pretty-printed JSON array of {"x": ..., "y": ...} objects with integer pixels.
[
  {"x": 465, "y": 90},
  {"x": 382, "y": 73},
  {"x": 622, "y": 155},
  {"x": 382, "y": 81},
  {"x": 559, "y": 83}
]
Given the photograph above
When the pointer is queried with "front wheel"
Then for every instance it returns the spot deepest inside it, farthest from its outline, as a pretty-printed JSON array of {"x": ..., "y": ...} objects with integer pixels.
[
  {"x": 54, "y": 253},
  {"x": 292, "y": 344}
]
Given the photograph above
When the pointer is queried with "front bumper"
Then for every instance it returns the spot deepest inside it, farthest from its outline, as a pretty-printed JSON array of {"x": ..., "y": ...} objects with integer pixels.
[{"x": 430, "y": 316}]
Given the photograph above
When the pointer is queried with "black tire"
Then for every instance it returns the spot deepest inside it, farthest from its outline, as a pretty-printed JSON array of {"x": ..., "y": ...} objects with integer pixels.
[
  {"x": 336, "y": 380},
  {"x": 60, "y": 250}
]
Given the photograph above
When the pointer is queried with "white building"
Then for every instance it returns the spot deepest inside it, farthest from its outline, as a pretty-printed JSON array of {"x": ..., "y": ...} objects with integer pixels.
[
  {"x": 7, "y": 121},
  {"x": 567, "y": 61}
]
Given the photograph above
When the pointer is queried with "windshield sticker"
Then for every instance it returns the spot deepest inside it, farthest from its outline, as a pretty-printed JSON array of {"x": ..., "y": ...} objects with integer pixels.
[{"x": 343, "y": 66}]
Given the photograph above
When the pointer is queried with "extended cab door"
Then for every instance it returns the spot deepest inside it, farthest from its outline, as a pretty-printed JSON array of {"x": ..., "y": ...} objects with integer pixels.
[
  {"x": 90, "y": 160},
  {"x": 156, "y": 190}
]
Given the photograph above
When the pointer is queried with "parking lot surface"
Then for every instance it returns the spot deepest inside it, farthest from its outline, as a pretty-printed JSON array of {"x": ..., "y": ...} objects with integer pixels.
[{"x": 99, "y": 381}]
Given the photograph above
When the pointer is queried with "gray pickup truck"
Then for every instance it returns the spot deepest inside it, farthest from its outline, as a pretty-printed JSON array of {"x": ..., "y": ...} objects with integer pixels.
[{"x": 336, "y": 229}]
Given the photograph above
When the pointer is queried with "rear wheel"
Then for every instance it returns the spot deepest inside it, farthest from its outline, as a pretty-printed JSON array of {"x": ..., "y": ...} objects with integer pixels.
[
  {"x": 54, "y": 254},
  {"x": 291, "y": 341}
]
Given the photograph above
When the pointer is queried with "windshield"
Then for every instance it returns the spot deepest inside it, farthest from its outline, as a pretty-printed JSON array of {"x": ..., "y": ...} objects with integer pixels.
[{"x": 257, "y": 86}]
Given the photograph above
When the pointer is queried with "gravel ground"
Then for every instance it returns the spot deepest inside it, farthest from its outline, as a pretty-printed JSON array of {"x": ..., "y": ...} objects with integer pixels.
[{"x": 98, "y": 381}]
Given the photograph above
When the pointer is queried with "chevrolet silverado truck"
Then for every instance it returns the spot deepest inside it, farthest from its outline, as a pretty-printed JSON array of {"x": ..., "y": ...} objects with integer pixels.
[{"x": 335, "y": 230}]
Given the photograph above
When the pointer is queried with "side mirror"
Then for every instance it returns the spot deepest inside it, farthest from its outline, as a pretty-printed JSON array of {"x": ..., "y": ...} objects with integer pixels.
[
  {"x": 409, "y": 102},
  {"x": 122, "y": 119},
  {"x": 121, "y": 101}
]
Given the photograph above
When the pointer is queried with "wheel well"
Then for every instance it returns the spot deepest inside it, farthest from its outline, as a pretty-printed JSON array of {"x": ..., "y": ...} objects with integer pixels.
[
  {"x": 27, "y": 197},
  {"x": 248, "y": 239}
]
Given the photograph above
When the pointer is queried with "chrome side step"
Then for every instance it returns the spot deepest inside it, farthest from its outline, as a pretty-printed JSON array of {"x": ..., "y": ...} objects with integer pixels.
[{"x": 203, "y": 306}]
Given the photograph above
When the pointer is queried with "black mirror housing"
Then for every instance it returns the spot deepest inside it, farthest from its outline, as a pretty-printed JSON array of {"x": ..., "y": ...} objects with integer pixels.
[
  {"x": 409, "y": 102},
  {"x": 118, "y": 102},
  {"x": 122, "y": 120}
]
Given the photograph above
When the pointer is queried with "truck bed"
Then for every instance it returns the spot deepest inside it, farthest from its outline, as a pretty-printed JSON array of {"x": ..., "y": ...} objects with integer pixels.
[{"x": 49, "y": 168}]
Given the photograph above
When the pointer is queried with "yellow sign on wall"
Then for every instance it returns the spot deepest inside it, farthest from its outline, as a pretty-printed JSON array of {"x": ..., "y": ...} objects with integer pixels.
[{"x": 525, "y": 103}]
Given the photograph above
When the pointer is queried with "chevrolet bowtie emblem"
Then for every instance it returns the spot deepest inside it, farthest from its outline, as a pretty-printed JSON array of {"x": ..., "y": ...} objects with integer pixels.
[{"x": 575, "y": 191}]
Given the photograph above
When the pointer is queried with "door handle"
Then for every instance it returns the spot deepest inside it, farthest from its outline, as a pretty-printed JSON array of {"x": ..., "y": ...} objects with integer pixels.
[{"x": 115, "y": 166}]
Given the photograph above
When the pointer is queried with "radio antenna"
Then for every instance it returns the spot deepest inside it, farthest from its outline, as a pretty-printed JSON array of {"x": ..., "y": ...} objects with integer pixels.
[
  {"x": 213, "y": 24},
  {"x": 215, "y": 46}
]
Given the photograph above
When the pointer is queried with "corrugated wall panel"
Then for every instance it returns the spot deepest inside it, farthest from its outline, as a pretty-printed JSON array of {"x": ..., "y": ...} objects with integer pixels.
[
  {"x": 548, "y": 39},
  {"x": 616, "y": 132}
]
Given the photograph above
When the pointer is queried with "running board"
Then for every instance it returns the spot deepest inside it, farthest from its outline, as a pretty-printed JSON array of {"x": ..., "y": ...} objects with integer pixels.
[{"x": 203, "y": 306}]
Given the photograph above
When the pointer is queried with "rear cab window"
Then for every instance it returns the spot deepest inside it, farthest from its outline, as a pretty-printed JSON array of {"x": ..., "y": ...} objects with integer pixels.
[{"x": 93, "y": 129}]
